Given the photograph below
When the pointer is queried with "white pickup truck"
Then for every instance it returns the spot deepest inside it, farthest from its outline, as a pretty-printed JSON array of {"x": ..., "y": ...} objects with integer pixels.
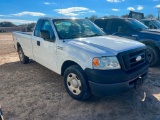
[{"x": 91, "y": 62}]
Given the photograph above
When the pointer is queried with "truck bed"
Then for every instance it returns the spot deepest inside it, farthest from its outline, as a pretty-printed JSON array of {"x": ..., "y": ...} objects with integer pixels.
[
  {"x": 25, "y": 40},
  {"x": 26, "y": 33}
]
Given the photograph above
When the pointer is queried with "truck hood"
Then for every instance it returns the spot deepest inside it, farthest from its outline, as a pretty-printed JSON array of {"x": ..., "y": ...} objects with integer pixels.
[
  {"x": 107, "y": 45},
  {"x": 151, "y": 31}
]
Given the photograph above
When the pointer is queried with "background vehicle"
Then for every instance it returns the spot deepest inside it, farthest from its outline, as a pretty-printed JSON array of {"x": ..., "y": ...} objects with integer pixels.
[
  {"x": 133, "y": 29},
  {"x": 87, "y": 59},
  {"x": 152, "y": 24}
]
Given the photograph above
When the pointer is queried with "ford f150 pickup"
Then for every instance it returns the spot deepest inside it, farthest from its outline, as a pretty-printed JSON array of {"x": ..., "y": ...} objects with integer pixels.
[
  {"x": 133, "y": 29},
  {"x": 91, "y": 62}
]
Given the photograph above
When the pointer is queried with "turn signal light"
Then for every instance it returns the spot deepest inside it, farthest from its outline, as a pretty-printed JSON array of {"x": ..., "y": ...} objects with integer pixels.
[{"x": 96, "y": 62}]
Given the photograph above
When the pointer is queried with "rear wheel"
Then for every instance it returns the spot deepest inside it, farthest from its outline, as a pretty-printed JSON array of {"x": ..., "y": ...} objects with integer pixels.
[
  {"x": 24, "y": 59},
  {"x": 76, "y": 84},
  {"x": 152, "y": 55}
]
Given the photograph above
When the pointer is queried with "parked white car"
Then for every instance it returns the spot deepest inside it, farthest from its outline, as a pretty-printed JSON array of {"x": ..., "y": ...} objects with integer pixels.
[{"x": 90, "y": 61}]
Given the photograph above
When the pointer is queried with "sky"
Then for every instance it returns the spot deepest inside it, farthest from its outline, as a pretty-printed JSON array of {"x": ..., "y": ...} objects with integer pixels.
[{"x": 28, "y": 11}]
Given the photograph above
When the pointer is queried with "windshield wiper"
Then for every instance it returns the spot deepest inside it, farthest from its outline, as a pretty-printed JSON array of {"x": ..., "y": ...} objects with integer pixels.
[
  {"x": 81, "y": 35},
  {"x": 72, "y": 36},
  {"x": 93, "y": 35},
  {"x": 140, "y": 29}
]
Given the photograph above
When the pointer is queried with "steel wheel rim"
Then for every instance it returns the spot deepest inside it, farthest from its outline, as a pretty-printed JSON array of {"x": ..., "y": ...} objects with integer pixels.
[
  {"x": 74, "y": 84},
  {"x": 21, "y": 55}
]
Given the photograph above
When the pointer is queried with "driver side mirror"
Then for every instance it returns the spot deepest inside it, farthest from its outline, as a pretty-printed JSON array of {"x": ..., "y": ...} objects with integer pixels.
[{"x": 45, "y": 34}]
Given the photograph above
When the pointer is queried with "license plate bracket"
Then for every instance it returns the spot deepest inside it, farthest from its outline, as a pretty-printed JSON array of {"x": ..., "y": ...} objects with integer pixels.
[{"x": 139, "y": 82}]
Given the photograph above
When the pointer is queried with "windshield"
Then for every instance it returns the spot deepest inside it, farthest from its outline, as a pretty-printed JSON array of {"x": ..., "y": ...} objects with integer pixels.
[
  {"x": 156, "y": 22},
  {"x": 76, "y": 28},
  {"x": 136, "y": 25}
]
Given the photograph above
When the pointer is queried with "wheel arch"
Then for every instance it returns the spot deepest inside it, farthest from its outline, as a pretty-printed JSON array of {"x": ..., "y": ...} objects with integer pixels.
[
  {"x": 151, "y": 43},
  {"x": 67, "y": 64},
  {"x": 18, "y": 45}
]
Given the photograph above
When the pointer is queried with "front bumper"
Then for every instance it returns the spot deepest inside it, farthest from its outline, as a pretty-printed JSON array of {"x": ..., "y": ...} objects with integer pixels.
[{"x": 111, "y": 82}]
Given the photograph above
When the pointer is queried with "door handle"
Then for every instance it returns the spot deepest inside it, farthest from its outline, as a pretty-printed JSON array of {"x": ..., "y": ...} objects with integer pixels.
[
  {"x": 59, "y": 47},
  {"x": 38, "y": 43}
]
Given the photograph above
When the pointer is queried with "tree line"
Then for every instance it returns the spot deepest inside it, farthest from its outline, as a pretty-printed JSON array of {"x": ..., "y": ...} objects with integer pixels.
[
  {"x": 92, "y": 18},
  {"x": 26, "y": 27}
]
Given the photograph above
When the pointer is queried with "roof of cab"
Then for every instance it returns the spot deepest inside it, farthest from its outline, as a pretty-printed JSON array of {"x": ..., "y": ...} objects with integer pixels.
[
  {"x": 57, "y": 18},
  {"x": 113, "y": 18},
  {"x": 147, "y": 19}
]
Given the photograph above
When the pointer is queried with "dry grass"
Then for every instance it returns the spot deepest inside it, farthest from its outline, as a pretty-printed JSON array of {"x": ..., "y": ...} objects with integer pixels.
[
  {"x": 6, "y": 36},
  {"x": 32, "y": 92}
]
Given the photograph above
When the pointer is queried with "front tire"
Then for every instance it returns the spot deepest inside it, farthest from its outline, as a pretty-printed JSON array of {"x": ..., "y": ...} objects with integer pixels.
[
  {"x": 152, "y": 55},
  {"x": 23, "y": 59},
  {"x": 76, "y": 84}
]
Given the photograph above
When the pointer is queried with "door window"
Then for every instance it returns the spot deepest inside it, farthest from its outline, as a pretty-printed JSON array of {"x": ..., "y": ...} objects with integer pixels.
[
  {"x": 119, "y": 26},
  {"x": 46, "y": 25},
  {"x": 102, "y": 23},
  {"x": 149, "y": 24},
  {"x": 146, "y": 23},
  {"x": 37, "y": 28}
]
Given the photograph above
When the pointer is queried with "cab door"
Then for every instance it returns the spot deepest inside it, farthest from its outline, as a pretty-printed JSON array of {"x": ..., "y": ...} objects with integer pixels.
[
  {"x": 45, "y": 49},
  {"x": 36, "y": 42}
]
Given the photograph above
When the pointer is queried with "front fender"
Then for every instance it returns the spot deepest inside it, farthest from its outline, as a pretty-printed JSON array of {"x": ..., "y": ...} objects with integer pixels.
[
  {"x": 151, "y": 42},
  {"x": 79, "y": 56}
]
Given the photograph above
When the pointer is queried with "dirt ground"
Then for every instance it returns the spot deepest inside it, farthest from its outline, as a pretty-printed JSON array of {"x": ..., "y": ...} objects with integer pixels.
[{"x": 32, "y": 92}]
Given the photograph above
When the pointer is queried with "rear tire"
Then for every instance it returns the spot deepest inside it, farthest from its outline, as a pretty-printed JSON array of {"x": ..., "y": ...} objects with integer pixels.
[
  {"x": 23, "y": 59},
  {"x": 152, "y": 55},
  {"x": 76, "y": 84}
]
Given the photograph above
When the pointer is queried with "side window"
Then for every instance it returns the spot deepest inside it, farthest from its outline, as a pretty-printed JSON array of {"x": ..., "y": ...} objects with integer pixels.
[
  {"x": 37, "y": 28},
  {"x": 119, "y": 27},
  {"x": 142, "y": 22},
  {"x": 151, "y": 25},
  {"x": 102, "y": 23},
  {"x": 146, "y": 23},
  {"x": 106, "y": 26},
  {"x": 46, "y": 25}
]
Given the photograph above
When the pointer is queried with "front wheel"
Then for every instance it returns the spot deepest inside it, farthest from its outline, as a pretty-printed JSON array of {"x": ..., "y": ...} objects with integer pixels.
[
  {"x": 152, "y": 56},
  {"x": 24, "y": 59},
  {"x": 76, "y": 84}
]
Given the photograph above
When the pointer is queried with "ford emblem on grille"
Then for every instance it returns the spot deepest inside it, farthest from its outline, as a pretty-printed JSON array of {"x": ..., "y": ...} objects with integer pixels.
[{"x": 138, "y": 58}]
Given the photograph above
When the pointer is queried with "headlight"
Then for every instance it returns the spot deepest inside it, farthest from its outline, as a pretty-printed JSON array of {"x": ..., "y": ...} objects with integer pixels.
[{"x": 105, "y": 63}]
